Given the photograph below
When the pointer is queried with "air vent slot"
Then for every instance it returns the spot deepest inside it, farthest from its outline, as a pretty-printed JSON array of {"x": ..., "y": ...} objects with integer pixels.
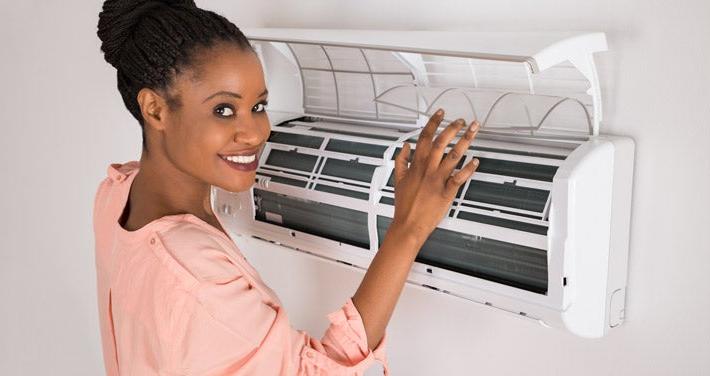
[
  {"x": 349, "y": 170},
  {"x": 516, "y": 169},
  {"x": 508, "y": 195},
  {"x": 358, "y": 148},
  {"x": 510, "y": 264},
  {"x": 292, "y": 160},
  {"x": 312, "y": 217},
  {"x": 296, "y": 139},
  {"x": 387, "y": 200}
]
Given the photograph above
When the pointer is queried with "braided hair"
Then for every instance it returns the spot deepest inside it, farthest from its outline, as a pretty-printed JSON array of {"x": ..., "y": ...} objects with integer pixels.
[{"x": 150, "y": 42}]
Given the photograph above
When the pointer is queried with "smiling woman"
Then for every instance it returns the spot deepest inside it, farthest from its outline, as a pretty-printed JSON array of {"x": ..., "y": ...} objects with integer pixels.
[{"x": 176, "y": 295}]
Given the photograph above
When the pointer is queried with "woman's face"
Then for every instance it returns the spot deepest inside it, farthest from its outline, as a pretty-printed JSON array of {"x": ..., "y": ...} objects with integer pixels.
[{"x": 222, "y": 114}]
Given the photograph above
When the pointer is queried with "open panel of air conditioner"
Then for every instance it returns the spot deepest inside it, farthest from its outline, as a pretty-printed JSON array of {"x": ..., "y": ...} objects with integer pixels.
[{"x": 540, "y": 230}]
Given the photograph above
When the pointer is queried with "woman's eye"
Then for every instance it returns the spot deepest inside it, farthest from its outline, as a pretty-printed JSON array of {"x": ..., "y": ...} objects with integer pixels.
[
  {"x": 260, "y": 107},
  {"x": 224, "y": 111}
]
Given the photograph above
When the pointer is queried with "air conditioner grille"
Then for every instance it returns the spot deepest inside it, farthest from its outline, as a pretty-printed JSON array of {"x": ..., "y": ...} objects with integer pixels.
[
  {"x": 312, "y": 217},
  {"x": 511, "y": 264}
]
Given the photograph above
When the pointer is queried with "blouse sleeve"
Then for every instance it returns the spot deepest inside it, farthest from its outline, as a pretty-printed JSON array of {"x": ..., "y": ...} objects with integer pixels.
[{"x": 232, "y": 330}]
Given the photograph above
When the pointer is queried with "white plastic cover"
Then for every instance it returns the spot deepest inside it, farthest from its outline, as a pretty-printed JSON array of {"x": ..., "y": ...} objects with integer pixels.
[{"x": 546, "y": 86}]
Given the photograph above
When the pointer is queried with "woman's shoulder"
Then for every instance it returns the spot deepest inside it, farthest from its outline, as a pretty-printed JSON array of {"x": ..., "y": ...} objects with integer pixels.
[{"x": 201, "y": 255}]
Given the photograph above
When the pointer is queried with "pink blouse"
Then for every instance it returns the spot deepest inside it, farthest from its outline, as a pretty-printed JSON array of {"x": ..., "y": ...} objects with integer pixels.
[{"x": 177, "y": 297}]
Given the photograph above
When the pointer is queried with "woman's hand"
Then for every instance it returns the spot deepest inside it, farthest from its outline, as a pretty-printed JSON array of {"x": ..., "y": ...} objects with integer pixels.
[{"x": 425, "y": 189}]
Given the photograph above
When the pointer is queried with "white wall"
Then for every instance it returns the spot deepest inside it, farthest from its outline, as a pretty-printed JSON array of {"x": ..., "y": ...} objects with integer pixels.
[{"x": 63, "y": 122}]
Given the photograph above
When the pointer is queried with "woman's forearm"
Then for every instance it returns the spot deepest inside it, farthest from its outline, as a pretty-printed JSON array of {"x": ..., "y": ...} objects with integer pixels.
[
  {"x": 382, "y": 284},
  {"x": 424, "y": 190}
]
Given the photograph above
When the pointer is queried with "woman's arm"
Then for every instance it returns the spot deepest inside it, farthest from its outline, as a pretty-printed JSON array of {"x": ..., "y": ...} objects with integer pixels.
[{"x": 424, "y": 191}]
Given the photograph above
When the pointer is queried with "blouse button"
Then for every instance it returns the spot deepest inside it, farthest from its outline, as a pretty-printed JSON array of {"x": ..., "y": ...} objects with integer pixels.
[
  {"x": 309, "y": 354},
  {"x": 152, "y": 240},
  {"x": 119, "y": 177}
]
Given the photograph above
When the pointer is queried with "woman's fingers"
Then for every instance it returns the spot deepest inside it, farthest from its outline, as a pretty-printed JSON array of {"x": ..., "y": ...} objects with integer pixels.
[
  {"x": 425, "y": 139},
  {"x": 458, "y": 151},
  {"x": 440, "y": 143},
  {"x": 401, "y": 163},
  {"x": 459, "y": 178},
  {"x": 429, "y": 152}
]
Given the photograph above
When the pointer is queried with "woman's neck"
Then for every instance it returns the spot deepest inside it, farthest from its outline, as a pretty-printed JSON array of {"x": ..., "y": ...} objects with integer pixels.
[{"x": 160, "y": 189}]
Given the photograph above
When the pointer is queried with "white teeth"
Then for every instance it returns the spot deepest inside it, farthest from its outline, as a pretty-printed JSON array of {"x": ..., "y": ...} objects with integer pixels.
[{"x": 240, "y": 158}]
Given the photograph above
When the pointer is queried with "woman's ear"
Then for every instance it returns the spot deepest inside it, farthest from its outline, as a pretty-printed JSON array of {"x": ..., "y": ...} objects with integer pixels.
[{"x": 153, "y": 108}]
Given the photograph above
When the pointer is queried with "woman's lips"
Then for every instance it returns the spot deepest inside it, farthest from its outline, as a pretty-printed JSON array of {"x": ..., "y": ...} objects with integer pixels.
[{"x": 243, "y": 166}]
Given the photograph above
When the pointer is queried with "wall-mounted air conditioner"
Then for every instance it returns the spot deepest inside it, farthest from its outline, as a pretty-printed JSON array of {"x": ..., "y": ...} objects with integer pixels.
[{"x": 541, "y": 229}]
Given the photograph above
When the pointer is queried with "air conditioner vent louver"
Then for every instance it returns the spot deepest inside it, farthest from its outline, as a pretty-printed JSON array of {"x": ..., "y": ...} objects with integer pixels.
[
  {"x": 503, "y": 262},
  {"x": 516, "y": 169},
  {"x": 330, "y": 221},
  {"x": 292, "y": 160},
  {"x": 507, "y": 195},
  {"x": 356, "y": 148},
  {"x": 296, "y": 139},
  {"x": 349, "y": 170}
]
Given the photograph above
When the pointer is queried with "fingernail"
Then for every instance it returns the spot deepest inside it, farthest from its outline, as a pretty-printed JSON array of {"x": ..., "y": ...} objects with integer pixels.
[
  {"x": 460, "y": 121},
  {"x": 475, "y": 161},
  {"x": 439, "y": 111}
]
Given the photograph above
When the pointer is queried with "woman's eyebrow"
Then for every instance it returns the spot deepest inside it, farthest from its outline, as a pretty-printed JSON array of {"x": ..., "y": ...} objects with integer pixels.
[{"x": 232, "y": 94}]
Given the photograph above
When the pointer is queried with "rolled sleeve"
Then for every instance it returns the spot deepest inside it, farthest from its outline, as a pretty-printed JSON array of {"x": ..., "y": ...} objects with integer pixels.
[{"x": 344, "y": 345}]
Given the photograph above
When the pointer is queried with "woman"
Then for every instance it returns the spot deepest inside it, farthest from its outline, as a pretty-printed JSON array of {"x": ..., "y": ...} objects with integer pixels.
[{"x": 176, "y": 296}]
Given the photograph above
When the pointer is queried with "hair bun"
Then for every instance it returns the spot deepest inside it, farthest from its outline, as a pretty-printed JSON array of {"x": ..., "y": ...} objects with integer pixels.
[{"x": 119, "y": 17}]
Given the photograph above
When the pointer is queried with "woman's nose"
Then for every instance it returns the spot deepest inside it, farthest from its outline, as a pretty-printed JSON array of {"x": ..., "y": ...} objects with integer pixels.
[{"x": 250, "y": 131}]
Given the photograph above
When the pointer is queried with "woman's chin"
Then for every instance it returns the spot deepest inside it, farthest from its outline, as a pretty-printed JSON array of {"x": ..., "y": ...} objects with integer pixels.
[{"x": 238, "y": 186}]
